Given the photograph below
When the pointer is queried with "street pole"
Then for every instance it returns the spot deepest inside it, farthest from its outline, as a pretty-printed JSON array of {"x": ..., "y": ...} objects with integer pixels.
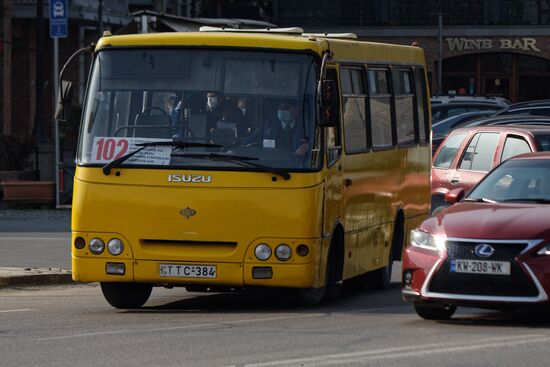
[
  {"x": 57, "y": 164},
  {"x": 100, "y": 18},
  {"x": 38, "y": 132},
  {"x": 440, "y": 53}
]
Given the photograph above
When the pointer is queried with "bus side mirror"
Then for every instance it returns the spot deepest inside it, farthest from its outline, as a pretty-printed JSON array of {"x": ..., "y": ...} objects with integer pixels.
[
  {"x": 329, "y": 104},
  {"x": 64, "y": 101}
]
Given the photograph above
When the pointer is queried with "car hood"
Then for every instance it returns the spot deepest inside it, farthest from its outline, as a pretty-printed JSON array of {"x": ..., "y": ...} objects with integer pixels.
[{"x": 491, "y": 221}]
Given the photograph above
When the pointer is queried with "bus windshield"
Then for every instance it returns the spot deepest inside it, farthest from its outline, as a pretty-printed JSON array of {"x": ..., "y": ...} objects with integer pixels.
[{"x": 260, "y": 105}]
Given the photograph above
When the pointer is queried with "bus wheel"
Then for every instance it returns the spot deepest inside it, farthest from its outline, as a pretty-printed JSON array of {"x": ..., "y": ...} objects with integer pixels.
[
  {"x": 434, "y": 312},
  {"x": 310, "y": 296},
  {"x": 126, "y": 295}
]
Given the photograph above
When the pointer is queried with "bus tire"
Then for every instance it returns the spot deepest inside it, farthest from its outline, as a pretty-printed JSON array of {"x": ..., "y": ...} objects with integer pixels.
[
  {"x": 126, "y": 295},
  {"x": 434, "y": 312}
]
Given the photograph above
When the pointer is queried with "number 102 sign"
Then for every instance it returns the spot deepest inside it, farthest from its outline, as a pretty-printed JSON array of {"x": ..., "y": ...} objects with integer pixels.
[{"x": 106, "y": 149}]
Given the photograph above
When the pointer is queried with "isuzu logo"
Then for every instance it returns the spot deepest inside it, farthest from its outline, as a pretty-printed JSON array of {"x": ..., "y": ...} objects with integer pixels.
[
  {"x": 484, "y": 250},
  {"x": 177, "y": 177}
]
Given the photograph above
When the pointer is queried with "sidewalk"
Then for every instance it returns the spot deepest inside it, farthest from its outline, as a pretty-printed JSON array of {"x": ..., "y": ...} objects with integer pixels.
[{"x": 34, "y": 247}]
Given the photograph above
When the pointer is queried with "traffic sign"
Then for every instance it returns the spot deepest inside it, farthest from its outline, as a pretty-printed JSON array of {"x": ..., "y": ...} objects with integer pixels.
[{"x": 59, "y": 19}]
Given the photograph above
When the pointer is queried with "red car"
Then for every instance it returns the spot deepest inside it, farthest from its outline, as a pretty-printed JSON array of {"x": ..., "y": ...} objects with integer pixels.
[
  {"x": 491, "y": 249},
  {"x": 467, "y": 154}
]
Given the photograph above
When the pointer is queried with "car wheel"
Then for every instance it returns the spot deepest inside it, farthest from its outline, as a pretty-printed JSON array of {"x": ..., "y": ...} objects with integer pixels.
[
  {"x": 434, "y": 311},
  {"x": 126, "y": 295}
]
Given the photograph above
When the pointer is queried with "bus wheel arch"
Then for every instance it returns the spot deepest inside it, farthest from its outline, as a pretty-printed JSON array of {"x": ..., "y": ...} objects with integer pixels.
[{"x": 333, "y": 272}]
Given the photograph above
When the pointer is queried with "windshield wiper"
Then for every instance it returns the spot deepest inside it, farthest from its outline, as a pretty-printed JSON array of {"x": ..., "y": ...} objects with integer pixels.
[
  {"x": 174, "y": 143},
  {"x": 480, "y": 200},
  {"x": 534, "y": 200},
  {"x": 243, "y": 160}
]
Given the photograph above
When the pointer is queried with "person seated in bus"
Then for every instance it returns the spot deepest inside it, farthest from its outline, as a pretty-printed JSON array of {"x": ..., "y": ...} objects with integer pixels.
[{"x": 285, "y": 130}]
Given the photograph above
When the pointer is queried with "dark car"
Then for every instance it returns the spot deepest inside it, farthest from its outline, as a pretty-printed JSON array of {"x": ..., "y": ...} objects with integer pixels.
[
  {"x": 507, "y": 120},
  {"x": 445, "y": 110},
  {"x": 467, "y": 154},
  {"x": 490, "y": 250},
  {"x": 539, "y": 107}
]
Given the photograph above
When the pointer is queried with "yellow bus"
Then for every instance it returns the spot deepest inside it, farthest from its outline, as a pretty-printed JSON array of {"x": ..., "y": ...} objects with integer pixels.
[{"x": 236, "y": 159}]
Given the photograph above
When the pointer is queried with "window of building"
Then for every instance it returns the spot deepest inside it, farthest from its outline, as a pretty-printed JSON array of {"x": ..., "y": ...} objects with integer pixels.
[
  {"x": 380, "y": 108},
  {"x": 480, "y": 152},
  {"x": 354, "y": 97}
]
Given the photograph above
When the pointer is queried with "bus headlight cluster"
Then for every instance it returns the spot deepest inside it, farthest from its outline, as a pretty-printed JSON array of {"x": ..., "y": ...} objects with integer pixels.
[
  {"x": 96, "y": 245},
  {"x": 283, "y": 252}
]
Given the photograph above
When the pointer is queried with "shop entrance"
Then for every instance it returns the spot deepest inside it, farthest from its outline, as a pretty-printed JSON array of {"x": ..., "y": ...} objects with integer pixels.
[
  {"x": 516, "y": 77},
  {"x": 498, "y": 86}
]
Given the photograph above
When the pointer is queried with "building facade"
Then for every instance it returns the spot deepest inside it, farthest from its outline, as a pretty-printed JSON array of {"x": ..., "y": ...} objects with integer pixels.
[{"x": 489, "y": 47}]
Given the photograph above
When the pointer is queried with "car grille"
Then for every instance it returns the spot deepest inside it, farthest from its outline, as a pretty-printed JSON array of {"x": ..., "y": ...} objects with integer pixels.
[{"x": 517, "y": 284}]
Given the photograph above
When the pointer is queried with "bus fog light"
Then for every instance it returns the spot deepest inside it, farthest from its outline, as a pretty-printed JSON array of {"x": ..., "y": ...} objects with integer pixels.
[
  {"x": 283, "y": 252},
  {"x": 115, "y": 246},
  {"x": 96, "y": 246},
  {"x": 79, "y": 243},
  {"x": 262, "y": 272},
  {"x": 302, "y": 250},
  {"x": 262, "y": 252},
  {"x": 115, "y": 268}
]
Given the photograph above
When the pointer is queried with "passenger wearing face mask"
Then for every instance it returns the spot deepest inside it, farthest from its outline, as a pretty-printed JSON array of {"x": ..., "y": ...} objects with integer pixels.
[{"x": 284, "y": 131}]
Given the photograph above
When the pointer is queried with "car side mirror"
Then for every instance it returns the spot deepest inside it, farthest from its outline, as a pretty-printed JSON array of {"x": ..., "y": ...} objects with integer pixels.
[
  {"x": 329, "y": 104},
  {"x": 64, "y": 101},
  {"x": 454, "y": 196}
]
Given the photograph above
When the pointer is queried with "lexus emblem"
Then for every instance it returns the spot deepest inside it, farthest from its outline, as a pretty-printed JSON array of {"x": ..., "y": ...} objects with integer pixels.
[
  {"x": 188, "y": 212},
  {"x": 484, "y": 250}
]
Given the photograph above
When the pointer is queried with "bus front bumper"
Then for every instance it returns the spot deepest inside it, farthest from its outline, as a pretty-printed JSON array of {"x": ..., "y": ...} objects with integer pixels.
[{"x": 88, "y": 269}]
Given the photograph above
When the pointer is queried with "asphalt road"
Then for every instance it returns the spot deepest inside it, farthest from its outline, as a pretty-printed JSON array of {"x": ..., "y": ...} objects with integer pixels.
[
  {"x": 73, "y": 325},
  {"x": 35, "y": 249}
]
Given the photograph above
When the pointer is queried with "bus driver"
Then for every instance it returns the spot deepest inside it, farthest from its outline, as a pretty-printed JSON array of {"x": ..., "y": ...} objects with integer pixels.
[{"x": 284, "y": 130}]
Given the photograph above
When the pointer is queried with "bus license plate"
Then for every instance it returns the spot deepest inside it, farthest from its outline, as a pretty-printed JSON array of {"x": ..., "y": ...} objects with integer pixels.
[
  {"x": 480, "y": 267},
  {"x": 187, "y": 271}
]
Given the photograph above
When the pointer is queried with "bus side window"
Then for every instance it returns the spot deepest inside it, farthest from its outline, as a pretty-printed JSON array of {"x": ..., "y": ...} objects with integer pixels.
[
  {"x": 334, "y": 142},
  {"x": 354, "y": 96},
  {"x": 404, "y": 108},
  {"x": 422, "y": 106},
  {"x": 380, "y": 108}
]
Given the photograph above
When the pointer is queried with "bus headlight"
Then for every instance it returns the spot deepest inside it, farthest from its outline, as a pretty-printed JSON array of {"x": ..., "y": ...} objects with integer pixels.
[
  {"x": 97, "y": 246},
  {"x": 115, "y": 246},
  {"x": 283, "y": 252},
  {"x": 262, "y": 252}
]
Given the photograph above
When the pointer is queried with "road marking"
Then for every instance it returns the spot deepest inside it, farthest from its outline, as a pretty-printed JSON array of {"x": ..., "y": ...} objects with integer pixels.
[
  {"x": 172, "y": 328},
  {"x": 19, "y": 310},
  {"x": 406, "y": 351}
]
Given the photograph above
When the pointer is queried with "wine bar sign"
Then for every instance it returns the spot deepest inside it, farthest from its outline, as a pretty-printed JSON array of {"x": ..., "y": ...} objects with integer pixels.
[{"x": 502, "y": 44}]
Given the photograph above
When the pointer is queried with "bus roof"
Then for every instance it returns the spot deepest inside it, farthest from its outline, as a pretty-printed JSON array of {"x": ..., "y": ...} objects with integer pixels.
[{"x": 345, "y": 50}]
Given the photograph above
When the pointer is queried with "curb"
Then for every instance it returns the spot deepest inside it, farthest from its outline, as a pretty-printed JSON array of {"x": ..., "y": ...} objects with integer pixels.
[{"x": 34, "y": 276}]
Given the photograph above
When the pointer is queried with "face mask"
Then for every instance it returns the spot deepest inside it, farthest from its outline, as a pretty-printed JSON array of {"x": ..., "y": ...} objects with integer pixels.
[
  {"x": 284, "y": 116},
  {"x": 243, "y": 110},
  {"x": 212, "y": 102}
]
